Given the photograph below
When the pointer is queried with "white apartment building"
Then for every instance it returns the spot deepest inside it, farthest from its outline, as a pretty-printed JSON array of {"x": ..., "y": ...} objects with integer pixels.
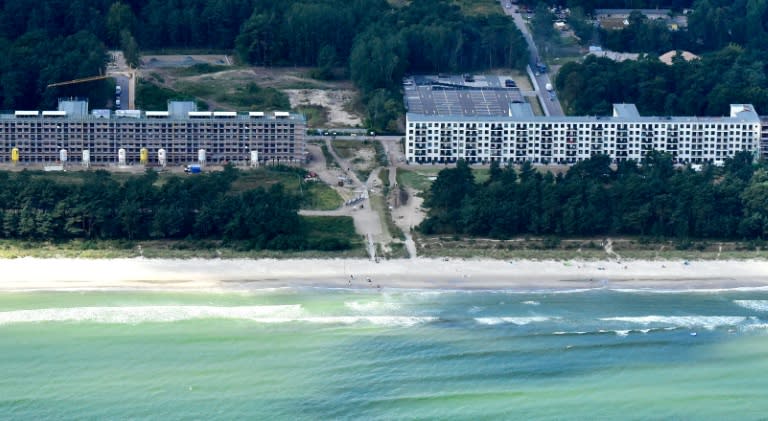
[{"x": 521, "y": 136}]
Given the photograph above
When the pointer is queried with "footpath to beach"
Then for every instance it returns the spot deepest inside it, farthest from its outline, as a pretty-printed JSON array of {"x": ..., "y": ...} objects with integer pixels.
[{"x": 420, "y": 273}]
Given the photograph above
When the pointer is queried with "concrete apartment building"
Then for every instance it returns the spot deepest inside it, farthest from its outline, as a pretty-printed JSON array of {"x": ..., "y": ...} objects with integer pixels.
[
  {"x": 764, "y": 138},
  {"x": 180, "y": 135},
  {"x": 520, "y": 136}
]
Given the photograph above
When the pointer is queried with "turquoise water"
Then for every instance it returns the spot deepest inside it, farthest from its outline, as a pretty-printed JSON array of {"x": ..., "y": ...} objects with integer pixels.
[{"x": 363, "y": 354}]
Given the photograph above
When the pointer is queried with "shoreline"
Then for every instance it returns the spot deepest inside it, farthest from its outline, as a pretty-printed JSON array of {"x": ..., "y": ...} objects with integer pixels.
[{"x": 421, "y": 273}]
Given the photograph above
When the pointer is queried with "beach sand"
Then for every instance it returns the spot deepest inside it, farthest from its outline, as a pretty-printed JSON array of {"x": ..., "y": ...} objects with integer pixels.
[{"x": 173, "y": 274}]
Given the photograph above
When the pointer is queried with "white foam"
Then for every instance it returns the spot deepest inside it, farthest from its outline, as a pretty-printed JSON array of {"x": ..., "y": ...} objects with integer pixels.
[
  {"x": 757, "y": 305},
  {"x": 707, "y": 322},
  {"x": 691, "y": 290},
  {"x": 756, "y": 326},
  {"x": 160, "y": 314},
  {"x": 398, "y": 321},
  {"x": 371, "y": 306},
  {"x": 143, "y": 314},
  {"x": 531, "y": 303},
  {"x": 520, "y": 321}
]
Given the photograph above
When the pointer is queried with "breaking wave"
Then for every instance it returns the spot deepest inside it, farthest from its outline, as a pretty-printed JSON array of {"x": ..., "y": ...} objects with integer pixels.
[
  {"x": 163, "y": 314},
  {"x": 757, "y": 305},
  {"x": 520, "y": 321},
  {"x": 707, "y": 322}
]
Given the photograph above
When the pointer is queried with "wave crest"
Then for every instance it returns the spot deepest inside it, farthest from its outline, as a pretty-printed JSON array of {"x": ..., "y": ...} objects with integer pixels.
[
  {"x": 164, "y": 314},
  {"x": 757, "y": 305},
  {"x": 707, "y": 322},
  {"x": 520, "y": 321}
]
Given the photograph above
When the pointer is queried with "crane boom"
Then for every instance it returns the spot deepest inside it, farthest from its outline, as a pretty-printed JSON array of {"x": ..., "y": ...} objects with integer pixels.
[{"x": 81, "y": 80}]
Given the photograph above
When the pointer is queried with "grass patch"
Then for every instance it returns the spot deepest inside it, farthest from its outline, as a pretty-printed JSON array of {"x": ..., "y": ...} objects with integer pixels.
[
  {"x": 328, "y": 236},
  {"x": 248, "y": 97},
  {"x": 381, "y": 154},
  {"x": 481, "y": 174},
  {"x": 317, "y": 115},
  {"x": 394, "y": 230},
  {"x": 479, "y": 7},
  {"x": 346, "y": 148},
  {"x": 153, "y": 97},
  {"x": 200, "y": 69},
  {"x": 360, "y": 153},
  {"x": 314, "y": 195},
  {"x": 254, "y": 97},
  {"x": 417, "y": 180},
  {"x": 329, "y": 233},
  {"x": 384, "y": 177},
  {"x": 167, "y": 249},
  {"x": 330, "y": 161},
  {"x": 301, "y": 84},
  {"x": 92, "y": 249},
  {"x": 577, "y": 249},
  {"x": 198, "y": 89},
  {"x": 320, "y": 196},
  {"x": 397, "y": 251}
]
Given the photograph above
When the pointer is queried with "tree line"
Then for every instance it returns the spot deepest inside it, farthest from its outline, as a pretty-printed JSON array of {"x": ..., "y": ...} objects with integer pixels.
[
  {"x": 100, "y": 206},
  {"x": 589, "y": 6},
  {"x": 379, "y": 44},
  {"x": 712, "y": 25},
  {"x": 654, "y": 199},
  {"x": 376, "y": 42},
  {"x": 704, "y": 87}
]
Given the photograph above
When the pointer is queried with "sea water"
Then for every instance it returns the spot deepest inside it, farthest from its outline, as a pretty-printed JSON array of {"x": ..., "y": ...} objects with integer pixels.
[{"x": 321, "y": 354}]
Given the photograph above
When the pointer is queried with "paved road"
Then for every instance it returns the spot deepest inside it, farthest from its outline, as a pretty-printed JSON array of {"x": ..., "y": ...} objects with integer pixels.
[
  {"x": 550, "y": 102},
  {"x": 122, "y": 81}
]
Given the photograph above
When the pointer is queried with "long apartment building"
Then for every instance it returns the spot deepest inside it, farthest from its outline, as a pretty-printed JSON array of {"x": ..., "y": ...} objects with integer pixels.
[
  {"x": 181, "y": 135},
  {"x": 764, "y": 137},
  {"x": 521, "y": 136}
]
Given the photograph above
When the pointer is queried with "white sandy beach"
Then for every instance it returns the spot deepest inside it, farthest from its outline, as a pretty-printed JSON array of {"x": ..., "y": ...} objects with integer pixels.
[{"x": 34, "y": 273}]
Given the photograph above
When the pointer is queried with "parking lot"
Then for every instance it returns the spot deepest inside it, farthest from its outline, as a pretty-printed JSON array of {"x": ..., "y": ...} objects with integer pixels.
[{"x": 484, "y": 95}]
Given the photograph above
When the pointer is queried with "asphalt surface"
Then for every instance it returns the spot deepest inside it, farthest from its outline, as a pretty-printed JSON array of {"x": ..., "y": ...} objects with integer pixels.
[
  {"x": 122, "y": 81},
  {"x": 550, "y": 102},
  {"x": 433, "y": 95}
]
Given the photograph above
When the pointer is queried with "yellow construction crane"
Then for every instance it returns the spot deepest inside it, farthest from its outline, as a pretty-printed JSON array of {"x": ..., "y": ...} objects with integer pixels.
[{"x": 81, "y": 80}]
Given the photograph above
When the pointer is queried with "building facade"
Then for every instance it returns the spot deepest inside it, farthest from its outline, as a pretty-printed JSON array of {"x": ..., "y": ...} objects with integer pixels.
[
  {"x": 625, "y": 135},
  {"x": 182, "y": 133},
  {"x": 764, "y": 138}
]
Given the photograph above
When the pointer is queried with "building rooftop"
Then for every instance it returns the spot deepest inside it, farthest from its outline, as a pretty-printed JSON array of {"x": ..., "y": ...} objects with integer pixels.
[
  {"x": 667, "y": 57},
  {"x": 177, "y": 111},
  {"x": 625, "y": 111},
  {"x": 622, "y": 113},
  {"x": 626, "y": 12},
  {"x": 459, "y": 95},
  {"x": 520, "y": 110},
  {"x": 613, "y": 55}
]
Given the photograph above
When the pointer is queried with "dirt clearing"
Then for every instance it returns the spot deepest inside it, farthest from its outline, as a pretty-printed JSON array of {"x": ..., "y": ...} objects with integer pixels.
[{"x": 209, "y": 77}]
